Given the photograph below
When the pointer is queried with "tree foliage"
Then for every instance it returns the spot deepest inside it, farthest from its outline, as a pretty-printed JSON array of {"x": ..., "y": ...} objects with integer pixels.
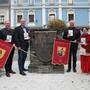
[{"x": 56, "y": 24}]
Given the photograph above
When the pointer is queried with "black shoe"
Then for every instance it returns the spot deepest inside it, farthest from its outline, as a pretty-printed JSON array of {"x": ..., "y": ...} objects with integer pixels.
[
  {"x": 7, "y": 74},
  {"x": 25, "y": 69},
  {"x": 68, "y": 70},
  {"x": 22, "y": 73},
  {"x": 12, "y": 72},
  {"x": 74, "y": 70}
]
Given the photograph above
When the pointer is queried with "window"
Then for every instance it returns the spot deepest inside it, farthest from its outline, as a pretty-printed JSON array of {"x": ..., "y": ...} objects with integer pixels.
[
  {"x": 31, "y": 18},
  {"x": 2, "y": 17},
  {"x": 70, "y": 1},
  {"x": 51, "y": 16},
  {"x": 19, "y": 17},
  {"x": 70, "y": 17}
]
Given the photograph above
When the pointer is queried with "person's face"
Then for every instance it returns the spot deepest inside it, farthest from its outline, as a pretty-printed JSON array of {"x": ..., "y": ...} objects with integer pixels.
[
  {"x": 89, "y": 31},
  {"x": 23, "y": 22},
  {"x": 85, "y": 30},
  {"x": 7, "y": 24},
  {"x": 71, "y": 24}
]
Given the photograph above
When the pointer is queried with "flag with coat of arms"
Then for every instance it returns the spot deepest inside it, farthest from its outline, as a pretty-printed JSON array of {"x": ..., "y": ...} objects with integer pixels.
[
  {"x": 61, "y": 51},
  {"x": 5, "y": 50}
]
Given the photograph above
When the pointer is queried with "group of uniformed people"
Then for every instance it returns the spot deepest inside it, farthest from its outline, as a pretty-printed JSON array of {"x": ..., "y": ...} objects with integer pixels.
[
  {"x": 77, "y": 37},
  {"x": 19, "y": 38}
]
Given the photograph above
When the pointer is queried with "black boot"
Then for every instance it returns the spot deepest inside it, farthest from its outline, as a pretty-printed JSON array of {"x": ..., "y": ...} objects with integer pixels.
[
  {"x": 11, "y": 71},
  {"x": 7, "y": 74},
  {"x": 25, "y": 69},
  {"x": 74, "y": 70},
  {"x": 23, "y": 73},
  {"x": 68, "y": 70}
]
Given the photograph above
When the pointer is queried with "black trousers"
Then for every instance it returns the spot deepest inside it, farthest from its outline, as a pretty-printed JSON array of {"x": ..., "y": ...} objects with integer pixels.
[
  {"x": 8, "y": 65},
  {"x": 73, "y": 56},
  {"x": 21, "y": 60}
]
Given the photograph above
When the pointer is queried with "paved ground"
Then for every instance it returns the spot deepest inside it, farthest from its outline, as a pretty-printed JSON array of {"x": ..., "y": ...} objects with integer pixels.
[{"x": 34, "y": 81}]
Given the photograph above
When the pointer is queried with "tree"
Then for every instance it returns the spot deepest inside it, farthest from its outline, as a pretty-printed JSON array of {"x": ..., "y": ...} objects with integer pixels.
[{"x": 56, "y": 24}]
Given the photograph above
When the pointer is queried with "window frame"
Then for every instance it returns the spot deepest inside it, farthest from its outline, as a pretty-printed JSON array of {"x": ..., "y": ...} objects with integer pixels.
[
  {"x": 32, "y": 21},
  {"x": 51, "y": 15},
  {"x": 72, "y": 17},
  {"x": 70, "y": 11},
  {"x": 51, "y": 12},
  {"x": 2, "y": 19}
]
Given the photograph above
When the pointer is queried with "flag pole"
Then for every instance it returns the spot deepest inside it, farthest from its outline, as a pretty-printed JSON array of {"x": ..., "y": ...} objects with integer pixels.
[
  {"x": 22, "y": 50},
  {"x": 19, "y": 49}
]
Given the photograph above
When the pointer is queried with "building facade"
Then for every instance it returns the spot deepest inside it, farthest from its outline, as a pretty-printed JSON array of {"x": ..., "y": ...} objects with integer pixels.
[
  {"x": 39, "y": 12},
  {"x": 4, "y": 11}
]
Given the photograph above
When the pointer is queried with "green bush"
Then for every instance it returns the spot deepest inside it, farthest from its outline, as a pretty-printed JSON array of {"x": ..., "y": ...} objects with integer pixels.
[{"x": 56, "y": 24}]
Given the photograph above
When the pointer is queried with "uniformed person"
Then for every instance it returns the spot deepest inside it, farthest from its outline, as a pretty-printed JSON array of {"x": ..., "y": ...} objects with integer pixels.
[
  {"x": 1, "y": 35},
  {"x": 73, "y": 35},
  {"x": 22, "y": 42},
  {"x": 85, "y": 41},
  {"x": 8, "y": 36}
]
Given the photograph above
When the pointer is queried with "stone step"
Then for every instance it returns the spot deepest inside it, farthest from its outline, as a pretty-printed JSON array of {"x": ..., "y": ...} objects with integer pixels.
[{"x": 46, "y": 68}]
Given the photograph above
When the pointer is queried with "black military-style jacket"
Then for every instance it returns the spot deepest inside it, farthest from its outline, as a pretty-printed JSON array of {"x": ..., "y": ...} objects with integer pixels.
[
  {"x": 8, "y": 32},
  {"x": 19, "y": 38},
  {"x": 76, "y": 35},
  {"x": 2, "y": 36}
]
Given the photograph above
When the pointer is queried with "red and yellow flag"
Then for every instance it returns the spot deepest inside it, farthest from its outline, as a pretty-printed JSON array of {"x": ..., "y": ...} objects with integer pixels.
[
  {"x": 5, "y": 49},
  {"x": 60, "y": 52}
]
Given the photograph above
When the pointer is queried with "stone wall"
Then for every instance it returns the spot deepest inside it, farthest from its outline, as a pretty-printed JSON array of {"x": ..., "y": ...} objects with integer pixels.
[{"x": 41, "y": 53}]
